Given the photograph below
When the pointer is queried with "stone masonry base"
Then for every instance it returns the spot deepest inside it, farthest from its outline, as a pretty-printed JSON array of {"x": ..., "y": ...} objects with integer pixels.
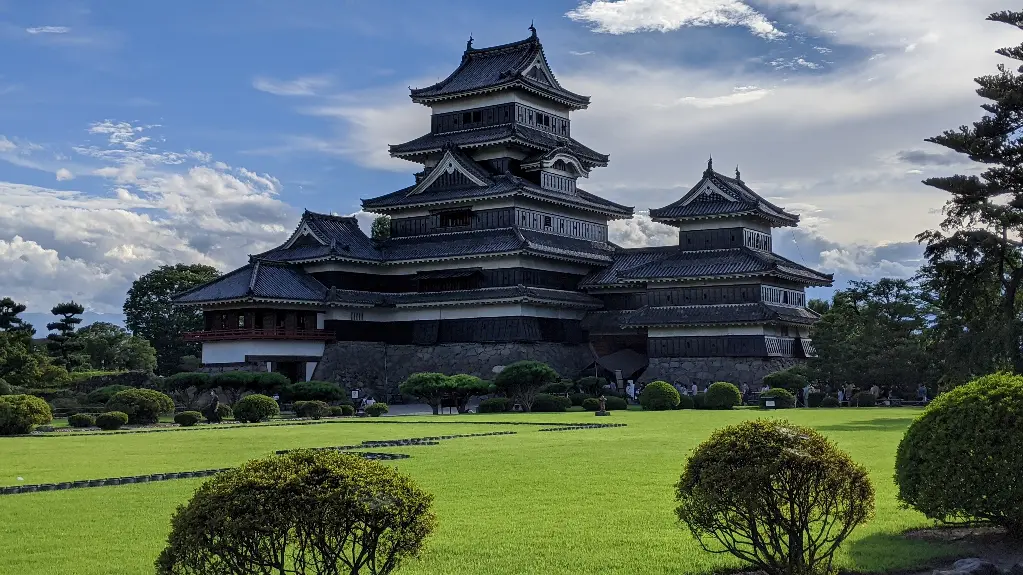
[{"x": 706, "y": 370}]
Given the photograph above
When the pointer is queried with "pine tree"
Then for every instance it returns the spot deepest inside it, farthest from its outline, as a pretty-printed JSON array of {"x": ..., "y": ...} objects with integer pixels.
[
  {"x": 65, "y": 347},
  {"x": 381, "y": 229},
  {"x": 975, "y": 263},
  {"x": 9, "y": 320}
]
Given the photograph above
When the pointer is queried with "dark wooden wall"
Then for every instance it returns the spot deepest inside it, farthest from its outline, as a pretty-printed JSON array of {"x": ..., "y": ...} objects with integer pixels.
[
  {"x": 481, "y": 220},
  {"x": 259, "y": 318},
  {"x": 502, "y": 277},
  {"x": 707, "y": 295},
  {"x": 499, "y": 114},
  {"x": 711, "y": 239},
  {"x": 707, "y": 346},
  {"x": 479, "y": 330}
]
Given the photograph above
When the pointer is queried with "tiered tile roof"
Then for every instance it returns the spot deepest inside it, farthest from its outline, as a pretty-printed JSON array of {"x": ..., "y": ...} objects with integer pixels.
[{"x": 738, "y": 200}]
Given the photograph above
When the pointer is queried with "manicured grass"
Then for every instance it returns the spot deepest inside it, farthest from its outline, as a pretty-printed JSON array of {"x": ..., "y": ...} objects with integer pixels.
[{"x": 590, "y": 501}]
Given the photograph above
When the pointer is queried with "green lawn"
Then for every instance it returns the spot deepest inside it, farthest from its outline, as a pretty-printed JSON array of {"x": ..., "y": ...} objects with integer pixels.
[{"x": 589, "y": 501}]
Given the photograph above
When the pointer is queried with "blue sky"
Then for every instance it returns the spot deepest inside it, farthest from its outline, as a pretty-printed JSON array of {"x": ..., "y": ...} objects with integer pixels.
[{"x": 133, "y": 136}]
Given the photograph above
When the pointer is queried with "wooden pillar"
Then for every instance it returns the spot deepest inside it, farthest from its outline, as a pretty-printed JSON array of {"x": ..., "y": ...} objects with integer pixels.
[{"x": 290, "y": 321}]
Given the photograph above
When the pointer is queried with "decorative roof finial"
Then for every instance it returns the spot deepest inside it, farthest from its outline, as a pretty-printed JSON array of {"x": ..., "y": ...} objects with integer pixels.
[
  {"x": 532, "y": 28},
  {"x": 710, "y": 165},
  {"x": 468, "y": 45},
  {"x": 738, "y": 176}
]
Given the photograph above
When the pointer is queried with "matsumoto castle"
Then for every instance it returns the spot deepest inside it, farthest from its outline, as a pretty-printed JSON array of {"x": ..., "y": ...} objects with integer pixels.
[{"x": 496, "y": 254}]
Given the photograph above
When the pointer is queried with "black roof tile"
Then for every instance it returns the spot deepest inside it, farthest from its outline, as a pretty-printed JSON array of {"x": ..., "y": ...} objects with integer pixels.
[
  {"x": 718, "y": 314},
  {"x": 496, "y": 68},
  {"x": 471, "y": 243},
  {"x": 743, "y": 200},
  {"x": 341, "y": 236},
  {"x": 561, "y": 246},
  {"x": 523, "y": 135},
  {"x": 259, "y": 280}
]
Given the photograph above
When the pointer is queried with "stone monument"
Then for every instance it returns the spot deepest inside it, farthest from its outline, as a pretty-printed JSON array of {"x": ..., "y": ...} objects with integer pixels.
[{"x": 603, "y": 407}]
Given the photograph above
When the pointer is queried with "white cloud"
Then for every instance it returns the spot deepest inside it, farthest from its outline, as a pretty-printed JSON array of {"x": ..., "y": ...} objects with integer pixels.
[
  {"x": 625, "y": 16},
  {"x": 6, "y": 145},
  {"x": 641, "y": 231},
  {"x": 304, "y": 86},
  {"x": 48, "y": 30},
  {"x": 163, "y": 207},
  {"x": 739, "y": 97},
  {"x": 64, "y": 175}
]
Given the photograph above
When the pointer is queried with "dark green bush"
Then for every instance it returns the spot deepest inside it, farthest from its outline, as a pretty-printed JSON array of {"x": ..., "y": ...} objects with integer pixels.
[
  {"x": 5, "y": 388},
  {"x": 557, "y": 388},
  {"x": 659, "y": 396},
  {"x": 578, "y": 398},
  {"x": 102, "y": 395},
  {"x": 804, "y": 471},
  {"x": 864, "y": 399},
  {"x": 815, "y": 398},
  {"x": 377, "y": 409},
  {"x": 187, "y": 418},
  {"x": 313, "y": 409},
  {"x": 547, "y": 403},
  {"x": 303, "y": 513},
  {"x": 20, "y": 413},
  {"x": 81, "y": 420},
  {"x": 615, "y": 403},
  {"x": 591, "y": 404},
  {"x": 592, "y": 385},
  {"x": 67, "y": 405},
  {"x": 782, "y": 398},
  {"x": 699, "y": 400},
  {"x": 255, "y": 408},
  {"x": 792, "y": 379},
  {"x": 722, "y": 395},
  {"x": 961, "y": 460},
  {"x": 143, "y": 406},
  {"x": 186, "y": 379},
  {"x": 268, "y": 382},
  {"x": 313, "y": 391},
  {"x": 830, "y": 401},
  {"x": 111, "y": 420},
  {"x": 347, "y": 409},
  {"x": 336, "y": 411},
  {"x": 522, "y": 381},
  {"x": 686, "y": 402},
  {"x": 240, "y": 380},
  {"x": 495, "y": 405},
  {"x": 224, "y": 411}
]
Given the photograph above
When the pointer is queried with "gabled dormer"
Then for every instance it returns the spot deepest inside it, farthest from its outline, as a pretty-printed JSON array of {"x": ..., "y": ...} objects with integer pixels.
[
  {"x": 556, "y": 170},
  {"x": 721, "y": 212},
  {"x": 453, "y": 170}
]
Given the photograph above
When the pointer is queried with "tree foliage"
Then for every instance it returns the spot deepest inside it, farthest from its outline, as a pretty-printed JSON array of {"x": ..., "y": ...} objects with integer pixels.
[
  {"x": 777, "y": 496},
  {"x": 149, "y": 314},
  {"x": 11, "y": 323},
  {"x": 20, "y": 413},
  {"x": 522, "y": 381},
  {"x": 381, "y": 229},
  {"x": 21, "y": 364},
  {"x": 111, "y": 347},
  {"x": 64, "y": 346},
  {"x": 975, "y": 263},
  {"x": 304, "y": 513}
]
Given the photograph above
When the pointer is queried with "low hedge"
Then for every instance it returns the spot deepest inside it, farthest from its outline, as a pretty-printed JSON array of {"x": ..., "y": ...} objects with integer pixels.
[
  {"x": 579, "y": 398},
  {"x": 830, "y": 401},
  {"x": 591, "y": 404},
  {"x": 255, "y": 408},
  {"x": 815, "y": 399},
  {"x": 111, "y": 420},
  {"x": 377, "y": 409},
  {"x": 864, "y": 399},
  {"x": 495, "y": 405},
  {"x": 347, "y": 409},
  {"x": 686, "y": 402},
  {"x": 102, "y": 395},
  {"x": 615, "y": 403},
  {"x": 312, "y": 409},
  {"x": 188, "y": 418},
  {"x": 783, "y": 399},
  {"x": 80, "y": 420},
  {"x": 547, "y": 403},
  {"x": 699, "y": 400},
  {"x": 336, "y": 411}
]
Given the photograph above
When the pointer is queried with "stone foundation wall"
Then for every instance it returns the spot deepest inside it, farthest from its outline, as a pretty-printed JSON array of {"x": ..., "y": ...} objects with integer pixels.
[
  {"x": 379, "y": 368},
  {"x": 706, "y": 370}
]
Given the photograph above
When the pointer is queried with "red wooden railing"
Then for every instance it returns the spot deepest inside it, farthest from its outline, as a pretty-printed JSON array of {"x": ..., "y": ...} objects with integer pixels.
[{"x": 273, "y": 333}]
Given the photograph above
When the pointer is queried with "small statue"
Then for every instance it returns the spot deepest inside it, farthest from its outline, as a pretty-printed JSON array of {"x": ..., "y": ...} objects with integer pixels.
[{"x": 603, "y": 403}]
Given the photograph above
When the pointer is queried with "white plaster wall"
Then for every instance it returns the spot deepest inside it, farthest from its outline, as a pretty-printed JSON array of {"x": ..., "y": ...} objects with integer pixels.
[
  {"x": 310, "y": 367},
  {"x": 235, "y": 351},
  {"x": 455, "y": 312},
  {"x": 706, "y": 331}
]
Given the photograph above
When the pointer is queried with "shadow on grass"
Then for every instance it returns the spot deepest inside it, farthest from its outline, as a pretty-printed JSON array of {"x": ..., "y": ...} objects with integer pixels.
[
  {"x": 895, "y": 554},
  {"x": 879, "y": 424}
]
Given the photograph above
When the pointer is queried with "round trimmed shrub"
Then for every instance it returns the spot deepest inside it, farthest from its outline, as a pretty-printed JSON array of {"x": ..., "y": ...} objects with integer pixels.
[
  {"x": 20, "y": 413},
  {"x": 102, "y": 395},
  {"x": 336, "y": 411},
  {"x": 377, "y": 409},
  {"x": 187, "y": 418},
  {"x": 111, "y": 420},
  {"x": 224, "y": 411},
  {"x": 686, "y": 402},
  {"x": 961, "y": 460},
  {"x": 804, "y": 471},
  {"x": 336, "y": 511},
  {"x": 312, "y": 409},
  {"x": 792, "y": 379},
  {"x": 80, "y": 420},
  {"x": 495, "y": 405},
  {"x": 722, "y": 395},
  {"x": 324, "y": 391},
  {"x": 815, "y": 398},
  {"x": 347, "y": 409},
  {"x": 255, "y": 408},
  {"x": 557, "y": 388},
  {"x": 783, "y": 399},
  {"x": 864, "y": 399},
  {"x": 591, "y": 404},
  {"x": 547, "y": 403},
  {"x": 615, "y": 403},
  {"x": 830, "y": 401},
  {"x": 579, "y": 398},
  {"x": 659, "y": 396},
  {"x": 143, "y": 406}
]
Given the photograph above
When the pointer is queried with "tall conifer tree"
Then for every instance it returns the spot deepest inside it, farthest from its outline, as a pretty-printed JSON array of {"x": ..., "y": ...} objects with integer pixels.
[{"x": 65, "y": 346}]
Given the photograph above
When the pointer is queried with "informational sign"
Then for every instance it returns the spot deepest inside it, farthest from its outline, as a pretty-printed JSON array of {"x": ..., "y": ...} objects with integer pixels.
[
  {"x": 355, "y": 394},
  {"x": 768, "y": 403}
]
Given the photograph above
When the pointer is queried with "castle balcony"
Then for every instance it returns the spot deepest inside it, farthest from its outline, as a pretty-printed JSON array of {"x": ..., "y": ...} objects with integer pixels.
[
  {"x": 789, "y": 347},
  {"x": 260, "y": 334}
]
